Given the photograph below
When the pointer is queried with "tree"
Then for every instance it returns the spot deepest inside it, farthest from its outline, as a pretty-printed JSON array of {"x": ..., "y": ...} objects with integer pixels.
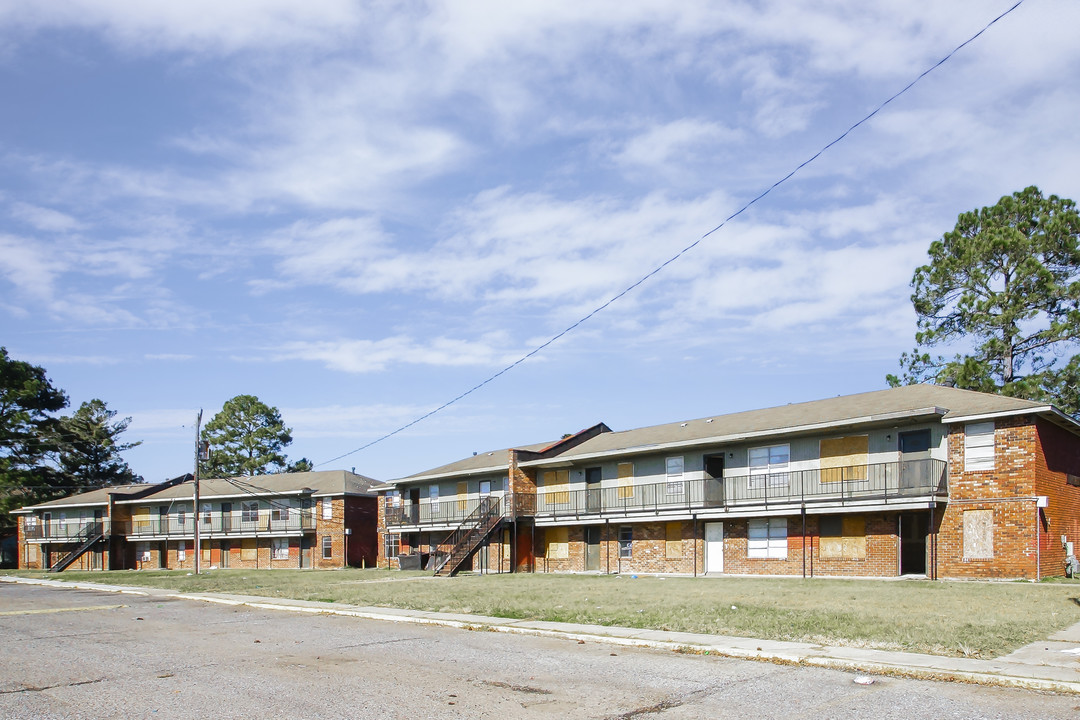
[
  {"x": 28, "y": 436},
  {"x": 90, "y": 448},
  {"x": 1007, "y": 281},
  {"x": 301, "y": 465},
  {"x": 247, "y": 437}
]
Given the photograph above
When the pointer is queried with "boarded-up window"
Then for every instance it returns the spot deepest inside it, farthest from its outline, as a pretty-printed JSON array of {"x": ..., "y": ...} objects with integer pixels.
[
  {"x": 140, "y": 520},
  {"x": 673, "y": 541},
  {"x": 557, "y": 486},
  {"x": 558, "y": 543},
  {"x": 979, "y": 446},
  {"x": 463, "y": 496},
  {"x": 506, "y": 544},
  {"x": 844, "y": 458},
  {"x": 843, "y": 538},
  {"x": 248, "y": 550},
  {"x": 32, "y": 553},
  {"x": 625, "y": 489},
  {"x": 978, "y": 534},
  {"x": 206, "y": 551}
]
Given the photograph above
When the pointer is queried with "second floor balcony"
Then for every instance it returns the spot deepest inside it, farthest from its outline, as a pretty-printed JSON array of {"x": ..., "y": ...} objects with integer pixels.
[
  {"x": 218, "y": 525},
  {"x": 62, "y": 531},
  {"x": 881, "y": 483}
]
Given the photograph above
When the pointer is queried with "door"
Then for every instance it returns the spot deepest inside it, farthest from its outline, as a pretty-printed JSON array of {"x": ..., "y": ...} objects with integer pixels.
[
  {"x": 163, "y": 519},
  {"x": 914, "y": 527},
  {"x": 414, "y": 505},
  {"x": 225, "y": 548},
  {"x": 592, "y": 547},
  {"x": 305, "y": 552},
  {"x": 914, "y": 461},
  {"x": 46, "y": 524},
  {"x": 714, "y": 481},
  {"x": 714, "y": 547},
  {"x": 226, "y": 517},
  {"x": 592, "y": 491}
]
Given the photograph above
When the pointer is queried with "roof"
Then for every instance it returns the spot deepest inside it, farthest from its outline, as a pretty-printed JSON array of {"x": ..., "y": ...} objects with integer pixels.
[
  {"x": 93, "y": 497},
  {"x": 905, "y": 403},
  {"x": 319, "y": 484}
]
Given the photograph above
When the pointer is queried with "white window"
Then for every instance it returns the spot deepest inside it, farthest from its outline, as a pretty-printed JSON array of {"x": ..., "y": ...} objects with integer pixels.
[
  {"x": 433, "y": 498},
  {"x": 675, "y": 475},
  {"x": 279, "y": 513},
  {"x": 30, "y": 522},
  {"x": 327, "y": 509},
  {"x": 181, "y": 515},
  {"x": 767, "y": 539},
  {"x": 181, "y": 552},
  {"x": 280, "y": 548},
  {"x": 206, "y": 513},
  {"x": 328, "y": 547},
  {"x": 768, "y": 464},
  {"x": 249, "y": 511},
  {"x": 979, "y": 446},
  {"x": 626, "y": 541}
]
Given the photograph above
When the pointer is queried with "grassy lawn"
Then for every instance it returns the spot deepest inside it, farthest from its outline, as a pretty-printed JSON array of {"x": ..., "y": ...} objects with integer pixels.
[{"x": 971, "y": 619}]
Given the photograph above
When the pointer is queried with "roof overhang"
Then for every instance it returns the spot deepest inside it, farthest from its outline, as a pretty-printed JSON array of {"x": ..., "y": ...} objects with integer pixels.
[{"x": 1049, "y": 412}]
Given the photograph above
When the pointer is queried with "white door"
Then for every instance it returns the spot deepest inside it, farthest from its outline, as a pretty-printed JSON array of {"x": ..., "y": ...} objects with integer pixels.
[{"x": 714, "y": 547}]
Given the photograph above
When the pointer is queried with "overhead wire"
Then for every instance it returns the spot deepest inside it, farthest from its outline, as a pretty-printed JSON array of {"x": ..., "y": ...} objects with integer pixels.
[{"x": 682, "y": 252}]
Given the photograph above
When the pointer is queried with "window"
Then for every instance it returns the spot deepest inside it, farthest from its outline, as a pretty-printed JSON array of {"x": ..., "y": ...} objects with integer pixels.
[
  {"x": 979, "y": 446},
  {"x": 328, "y": 547},
  {"x": 842, "y": 538},
  {"x": 673, "y": 546},
  {"x": 433, "y": 499},
  {"x": 30, "y": 522},
  {"x": 767, "y": 539},
  {"x": 181, "y": 515},
  {"x": 249, "y": 550},
  {"x": 625, "y": 489},
  {"x": 557, "y": 487},
  {"x": 391, "y": 545},
  {"x": 206, "y": 513},
  {"x": 249, "y": 512},
  {"x": 181, "y": 551},
  {"x": 675, "y": 475},
  {"x": 279, "y": 548},
  {"x": 768, "y": 463},
  {"x": 206, "y": 551},
  {"x": 328, "y": 509},
  {"x": 32, "y": 553},
  {"x": 626, "y": 540},
  {"x": 279, "y": 513},
  {"x": 978, "y": 534},
  {"x": 558, "y": 543},
  {"x": 844, "y": 459}
]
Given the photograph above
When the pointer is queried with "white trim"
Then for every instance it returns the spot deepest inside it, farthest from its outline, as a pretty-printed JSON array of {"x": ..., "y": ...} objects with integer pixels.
[{"x": 1007, "y": 413}]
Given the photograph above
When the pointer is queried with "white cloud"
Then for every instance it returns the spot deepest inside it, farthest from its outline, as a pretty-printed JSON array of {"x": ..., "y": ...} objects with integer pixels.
[
  {"x": 362, "y": 356},
  {"x": 45, "y": 219}
]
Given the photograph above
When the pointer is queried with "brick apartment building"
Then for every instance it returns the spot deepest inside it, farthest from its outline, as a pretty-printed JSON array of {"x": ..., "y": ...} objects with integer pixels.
[
  {"x": 321, "y": 519},
  {"x": 916, "y": 480}
]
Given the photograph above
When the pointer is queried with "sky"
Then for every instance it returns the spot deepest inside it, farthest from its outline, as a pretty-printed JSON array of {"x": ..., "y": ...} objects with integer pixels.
[{"x": 359, "y": 211}]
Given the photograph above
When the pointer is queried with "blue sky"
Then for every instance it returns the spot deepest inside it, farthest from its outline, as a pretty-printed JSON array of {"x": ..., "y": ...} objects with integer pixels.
[{"x": 359, "y": 211}]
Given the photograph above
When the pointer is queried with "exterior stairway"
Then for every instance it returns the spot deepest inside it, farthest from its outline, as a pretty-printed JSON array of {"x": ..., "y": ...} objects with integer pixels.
[
  {"x": 86, "y": 539},
  {"x": 472, "y": 532}
]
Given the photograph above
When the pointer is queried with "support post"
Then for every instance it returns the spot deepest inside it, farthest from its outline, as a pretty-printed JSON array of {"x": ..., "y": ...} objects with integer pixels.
[{"x": 198, "y": 544}]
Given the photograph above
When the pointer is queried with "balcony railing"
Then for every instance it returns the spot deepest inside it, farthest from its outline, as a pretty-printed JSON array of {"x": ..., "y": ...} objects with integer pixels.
[
  {"x": 881, "y": 482},
  {"x": 220, "y": 526},
  {"x": 64, "y": 530}
]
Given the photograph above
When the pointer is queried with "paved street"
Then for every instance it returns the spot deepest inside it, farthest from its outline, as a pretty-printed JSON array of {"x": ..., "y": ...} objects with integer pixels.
[{"x": 68, "y": 653}]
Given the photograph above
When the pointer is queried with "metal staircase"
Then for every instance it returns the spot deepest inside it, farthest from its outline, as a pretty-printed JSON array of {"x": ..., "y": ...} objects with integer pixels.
[
  {"x": 86, "y": 539},
  {"x": 468, "y": 536}
]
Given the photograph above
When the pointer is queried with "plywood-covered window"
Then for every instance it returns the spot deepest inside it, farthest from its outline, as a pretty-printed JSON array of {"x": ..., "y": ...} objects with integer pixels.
[
  {"x": 140, "y": 519},
  {"x": 979, "y": 446},
  {"x": 673, "y": 543},
  {"x": 557, "y": 486},
  {"x": 843, "y": 538},
  {"x": 32, "y": 553},
  {"x": 625, "y": 489},
  {"x": 978, "y": 534},
  {"x": 506, "y": 544},
  {"x": 844, "y": 458},
  {"x": 558, "y": 543},
  {"x": 248, "y": 550},
  {"x": 462, "y": 496}
]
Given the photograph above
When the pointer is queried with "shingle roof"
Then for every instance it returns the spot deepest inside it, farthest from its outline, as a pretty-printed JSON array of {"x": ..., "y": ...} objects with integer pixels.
[
  {"x": 877, "y": 406},
  {"x": 323, "y": 482},
  {"x": 93, "y": 497}
]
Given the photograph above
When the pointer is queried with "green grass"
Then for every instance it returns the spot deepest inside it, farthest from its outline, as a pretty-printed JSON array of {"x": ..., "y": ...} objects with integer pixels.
[{"x": 974, "y": 619}]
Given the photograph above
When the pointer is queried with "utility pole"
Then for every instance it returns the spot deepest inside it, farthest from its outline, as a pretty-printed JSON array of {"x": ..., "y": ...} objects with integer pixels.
[{"x": 198, "y": 456}]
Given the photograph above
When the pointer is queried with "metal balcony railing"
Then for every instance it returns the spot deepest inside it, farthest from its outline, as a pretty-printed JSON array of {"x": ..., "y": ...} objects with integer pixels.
[
  {"x": 65, "y": 530},
  {"x": 880, "y": 482},
  {"x": 221, "y": 525}
]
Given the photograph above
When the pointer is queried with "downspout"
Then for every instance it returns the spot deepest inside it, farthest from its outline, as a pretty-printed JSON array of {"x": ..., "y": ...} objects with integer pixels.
[
  {"x": 1038, "y": 546},
  {"x": 933, "y": 544},
  {"x": 804, "y": 541},
  {"x": 695, "y": 525}
]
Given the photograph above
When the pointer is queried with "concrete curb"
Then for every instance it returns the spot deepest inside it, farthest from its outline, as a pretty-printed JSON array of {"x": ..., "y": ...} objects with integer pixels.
[{"x": 999, "y": 672}]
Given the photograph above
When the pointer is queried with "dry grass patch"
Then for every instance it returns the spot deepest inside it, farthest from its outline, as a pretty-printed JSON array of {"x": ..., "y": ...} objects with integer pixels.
[{"x": 973, "y": 619}]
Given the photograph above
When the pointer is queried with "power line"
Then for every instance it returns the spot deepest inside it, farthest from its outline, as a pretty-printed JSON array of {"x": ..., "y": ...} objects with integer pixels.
[{"x": 685, "y": 250}]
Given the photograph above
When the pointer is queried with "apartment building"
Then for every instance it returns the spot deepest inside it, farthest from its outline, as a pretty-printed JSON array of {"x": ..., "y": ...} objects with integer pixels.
[{"x": 917, "y": 480}]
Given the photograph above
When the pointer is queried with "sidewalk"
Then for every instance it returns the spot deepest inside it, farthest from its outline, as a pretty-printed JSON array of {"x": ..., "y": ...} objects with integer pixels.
[{"x": 1052, "y": 664}]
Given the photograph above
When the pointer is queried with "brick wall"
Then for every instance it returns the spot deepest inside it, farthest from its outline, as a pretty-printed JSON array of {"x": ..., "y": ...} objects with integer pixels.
[
  {"x": 1058, "y": 457},
  {"x": 1007, "y": 491}
]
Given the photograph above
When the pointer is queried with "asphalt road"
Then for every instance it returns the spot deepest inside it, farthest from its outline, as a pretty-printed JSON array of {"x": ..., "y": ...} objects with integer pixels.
[{"x": 86, "y": 654}]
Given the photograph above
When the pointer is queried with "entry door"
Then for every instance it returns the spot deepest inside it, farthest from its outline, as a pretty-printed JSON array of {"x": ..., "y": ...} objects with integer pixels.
[
  {"x": 714, "y": 481},
  {"x": 46, "y": 523},
  {"x": 414, "y": 505},
  {"x": 914, "y": 528},
  {"x": 915, "y": 460},
  {"x": 592, "y": 547},
  {"x": 592, "y": 490},
  {"x": 225, "y": 548},
  {"x": 226, "y": 517},
  {"x": 714, "y": 547}
]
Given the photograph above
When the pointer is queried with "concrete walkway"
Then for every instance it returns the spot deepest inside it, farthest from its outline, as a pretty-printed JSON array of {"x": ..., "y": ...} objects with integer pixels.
[{"x": 1052, "y": 664}]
